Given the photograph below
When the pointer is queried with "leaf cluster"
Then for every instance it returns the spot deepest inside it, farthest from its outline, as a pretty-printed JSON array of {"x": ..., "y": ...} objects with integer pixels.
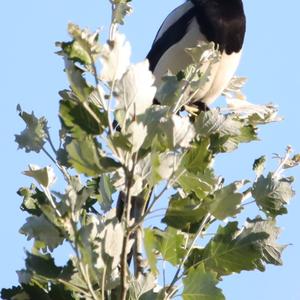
[{"x": 115, "y": 143}]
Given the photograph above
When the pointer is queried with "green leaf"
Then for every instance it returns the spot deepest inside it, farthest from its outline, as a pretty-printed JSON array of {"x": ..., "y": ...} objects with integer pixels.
[
  {"x": 84, "y": 48},
  {"x": 40, "y": 229},
  {"x": 272, "y": 194},
  {"x": 106, "y": 189},
  {"x": 198, "y": 157},
  {"x": 29, "y": 203},
  {"x": 201, "y": 184},
  {"x": 85, "y": 157},
  {"x": 226, "y": 202},
  {"x": 170, "y": 244},
  {"x": 77, "y": 119},
  {"x": 170, "y": 90},
  {"x": 199, "y": 284},
  {"x": 32, "y": 138},
  {"x": 140, "y": 287},
  {"x": 184, "y": 211},
  {"x": 271, "y": 251},
  {"x": 151, "y": 244},
  {"x": 78, "y": 84},
  {"x": 44, "y": 176},
  {"x": 42, "y": 265},
  {"x": 259, "y": 165},
  {"x": 232, "y": 251}
]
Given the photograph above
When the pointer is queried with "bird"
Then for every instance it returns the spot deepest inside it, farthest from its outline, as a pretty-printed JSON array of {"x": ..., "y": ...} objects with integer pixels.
[{"x": 222, "y": 22}]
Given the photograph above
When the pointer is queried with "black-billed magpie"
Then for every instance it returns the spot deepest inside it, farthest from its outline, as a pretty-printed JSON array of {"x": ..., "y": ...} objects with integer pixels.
[{"x": 220, "y": 21}]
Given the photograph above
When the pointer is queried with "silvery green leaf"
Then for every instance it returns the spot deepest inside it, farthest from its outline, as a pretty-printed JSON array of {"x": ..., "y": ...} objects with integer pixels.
[
  {"x": 87, "y": 41},
  {"x": 113, "y": 242},
  {"x": 271, "y": 250},
  {"x": 256, "y": 114},
  {"x": 97, "y": 97},
  {"x": 121, "y": 8},
  {"x": 203, "y": 52},
  {"x": 212, "y": 121},
  {"x": 170, "y": 90},
  {"x": 164, "y": 165},
  {"x": 115, "y": 58},
  {"x": 32, "y": 138},
  {"x": 41, "y": 230},
  {"x": 44, "y": 176},
  {"x": 259, "y": 165},
  {"x": 106, "y": 190},
  {"x": 138, "y": 133},
  {"x": 76, "y": 196},
  {"x": 233, "y": 90},
  {"x": 226, "y": 202},
  {"x": 136, "y": 90},
  {"x": 179, "y": 131},
  {"x": 272, "y": 194}
]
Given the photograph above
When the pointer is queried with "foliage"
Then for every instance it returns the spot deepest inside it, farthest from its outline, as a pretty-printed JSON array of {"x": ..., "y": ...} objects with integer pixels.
[{"x": 114, "y": 143}]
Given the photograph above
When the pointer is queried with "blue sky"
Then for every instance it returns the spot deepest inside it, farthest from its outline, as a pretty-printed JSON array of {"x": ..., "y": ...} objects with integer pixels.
[{"x": 32, "y": 75}]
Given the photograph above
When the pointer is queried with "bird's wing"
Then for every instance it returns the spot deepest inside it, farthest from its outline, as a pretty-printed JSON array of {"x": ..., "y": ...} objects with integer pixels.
[{"x": 171, "y": 31}]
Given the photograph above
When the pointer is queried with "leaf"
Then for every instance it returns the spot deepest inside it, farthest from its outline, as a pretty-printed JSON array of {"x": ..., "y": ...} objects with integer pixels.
[
  {"x": 78, "y": 84},
  {"x": 179, "y": 131},
  {"x": 78, "y": 120},
  {"x": 137, "y": 134},
  {"x": 259, "y": 165},
  {"x": 75, "y": 197},
  {"x": 201, "y": 184},
  {"x": 150, "y": 244},
  {"x": 199, "y": 284},
  {"x": 164, "y": 165},
  {"x": 120, "y": 10},
  {"x": 84, "y": 48},
  {"x": 136, "y": 90},
  {"x": 44, "y": 176},
  {"x": 212, "y": 122},
  {"x": 85, "y": 157},
  {"x": 32, "y": 138},
  {"x": 271, "y": 251},
  {"x": 170, "y": 90},
  {"x": 41, "y": 230},
  {"x": 106, "y": 189},
  {"x": 140, "y": 287},
  {"x": 115, "y": 58},
  {"x": 184, "y": 211},
  {"x": 198, "y": 157},
  {"x": 170, "y": 244},
  {"x": 42, "y": 265},
  {"x": 113, "y": 242},
  {"x": 232, "y": 251},
  {"x": 226, "y": 202},
  {"x": 272, "y": 194}
]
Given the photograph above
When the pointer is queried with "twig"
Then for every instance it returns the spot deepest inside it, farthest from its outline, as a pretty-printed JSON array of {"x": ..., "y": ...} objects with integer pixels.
[{"x": 199, "y": 232}]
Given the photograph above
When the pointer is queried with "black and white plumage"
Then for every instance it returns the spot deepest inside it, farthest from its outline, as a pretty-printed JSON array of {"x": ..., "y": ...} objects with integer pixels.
[{"x": 220, "y": 21}]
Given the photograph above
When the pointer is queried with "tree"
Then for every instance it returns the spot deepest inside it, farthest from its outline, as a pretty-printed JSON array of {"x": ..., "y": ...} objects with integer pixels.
[{"x": 115, "y": 143}]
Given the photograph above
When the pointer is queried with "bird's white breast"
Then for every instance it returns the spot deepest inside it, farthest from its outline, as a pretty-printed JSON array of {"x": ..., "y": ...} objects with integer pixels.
[{"x": 176, "y": 59}]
